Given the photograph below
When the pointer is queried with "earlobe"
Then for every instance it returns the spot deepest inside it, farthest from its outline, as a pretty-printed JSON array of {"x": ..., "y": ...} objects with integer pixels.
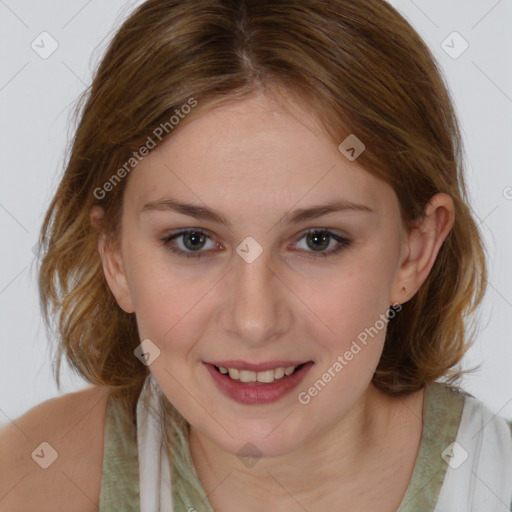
[
  {"x": 423, "y": 244},
  {"x": 112, "y": 263}
]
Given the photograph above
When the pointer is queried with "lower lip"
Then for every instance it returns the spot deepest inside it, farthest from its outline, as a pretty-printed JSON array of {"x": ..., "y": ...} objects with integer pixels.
[{"x": 257, "y": 393}]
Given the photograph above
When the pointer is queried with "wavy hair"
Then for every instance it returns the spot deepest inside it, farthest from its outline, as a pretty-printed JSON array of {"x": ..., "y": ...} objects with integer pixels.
[{"x": 359, "y": 66}]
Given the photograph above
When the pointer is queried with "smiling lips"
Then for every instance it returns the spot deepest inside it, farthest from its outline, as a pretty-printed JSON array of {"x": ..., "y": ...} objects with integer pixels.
[{"x": 257, "y": 383}]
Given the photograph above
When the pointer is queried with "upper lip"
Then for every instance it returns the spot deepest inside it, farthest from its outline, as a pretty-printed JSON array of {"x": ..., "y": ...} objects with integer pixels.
[{"x": 257, "y": 367}]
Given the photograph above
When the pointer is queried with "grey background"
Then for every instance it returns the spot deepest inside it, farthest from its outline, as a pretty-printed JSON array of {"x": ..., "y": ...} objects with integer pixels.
[{"x": 36, "y": 97}]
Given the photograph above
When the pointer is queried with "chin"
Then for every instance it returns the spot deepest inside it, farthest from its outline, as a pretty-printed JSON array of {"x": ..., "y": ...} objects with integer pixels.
[{"x": 262, "y": 439}]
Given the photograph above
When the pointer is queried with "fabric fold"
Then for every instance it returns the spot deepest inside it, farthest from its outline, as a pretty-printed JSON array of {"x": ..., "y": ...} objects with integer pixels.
[
  {"x": 154, "y": 475},
  {"x": 479, "y": 473}
]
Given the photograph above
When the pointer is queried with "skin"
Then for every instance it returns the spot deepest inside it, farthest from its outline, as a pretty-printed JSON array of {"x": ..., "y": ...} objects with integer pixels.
[{"x": 254, "y": 161}]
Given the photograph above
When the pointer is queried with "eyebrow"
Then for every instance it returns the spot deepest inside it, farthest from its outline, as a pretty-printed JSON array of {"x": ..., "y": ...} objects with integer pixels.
[{"x": 293, "y": 217}]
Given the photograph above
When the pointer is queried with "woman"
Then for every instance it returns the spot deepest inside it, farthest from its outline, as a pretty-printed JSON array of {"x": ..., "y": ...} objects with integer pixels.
[{"x": 263, "y": 259}]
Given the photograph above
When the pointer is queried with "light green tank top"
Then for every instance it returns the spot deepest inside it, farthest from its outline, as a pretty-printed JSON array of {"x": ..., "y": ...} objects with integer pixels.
[{"x": 442, "y": 410}]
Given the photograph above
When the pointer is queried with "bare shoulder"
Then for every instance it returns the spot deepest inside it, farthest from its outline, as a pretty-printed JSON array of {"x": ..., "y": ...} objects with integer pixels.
[{"x": 52, "y": 455}]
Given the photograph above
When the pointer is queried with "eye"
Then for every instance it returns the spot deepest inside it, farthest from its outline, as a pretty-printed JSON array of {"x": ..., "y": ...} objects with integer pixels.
[
  {"x": 320, "y": 239},
  {"x": 193, "y": 240}
]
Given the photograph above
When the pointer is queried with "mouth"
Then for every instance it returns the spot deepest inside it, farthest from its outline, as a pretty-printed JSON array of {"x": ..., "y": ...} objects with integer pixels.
[{"x": 257, "y": 384}]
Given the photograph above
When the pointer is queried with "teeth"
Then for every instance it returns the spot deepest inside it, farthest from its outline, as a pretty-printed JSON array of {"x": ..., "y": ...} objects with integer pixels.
[
  {"x": 278, "y": 373},
  {"x": 266, "y": 377},
  {"x": 247, "y": 376}
]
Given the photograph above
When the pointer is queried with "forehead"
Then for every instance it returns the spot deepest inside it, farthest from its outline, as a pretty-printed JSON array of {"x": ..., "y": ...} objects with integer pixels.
[{"x": 250, "y": 157}]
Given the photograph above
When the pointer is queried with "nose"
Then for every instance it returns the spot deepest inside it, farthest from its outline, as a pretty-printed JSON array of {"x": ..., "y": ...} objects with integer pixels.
[{"x": 256, "y": 304}]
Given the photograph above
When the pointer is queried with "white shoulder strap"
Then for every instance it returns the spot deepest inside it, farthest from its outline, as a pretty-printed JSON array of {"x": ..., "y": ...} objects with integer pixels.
[
  {"x": 154, "y": 473},
  {"x": 479, "y": 473}
]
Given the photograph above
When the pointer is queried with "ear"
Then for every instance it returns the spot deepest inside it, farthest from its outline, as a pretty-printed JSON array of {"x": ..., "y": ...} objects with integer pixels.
[
  {"x": 112, "y": 262},
  {"x": 421, "y": 247}
]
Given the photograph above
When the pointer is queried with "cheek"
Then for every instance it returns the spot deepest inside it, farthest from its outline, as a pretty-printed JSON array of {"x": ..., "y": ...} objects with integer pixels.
[
  {"x": 164, "y": 308},
  {"x": 159, "y": 298},
  {"x": 354, "y": 311},
  {"x": 171, "y": 310},
  {"x": 351, "y": 302}
]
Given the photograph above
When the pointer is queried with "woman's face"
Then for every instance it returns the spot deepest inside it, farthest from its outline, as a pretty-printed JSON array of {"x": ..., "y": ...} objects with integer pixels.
[{"x": 264, "y": 295}]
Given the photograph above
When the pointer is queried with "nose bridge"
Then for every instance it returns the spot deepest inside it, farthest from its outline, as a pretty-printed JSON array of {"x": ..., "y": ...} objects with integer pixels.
[{"x": 256, "y": 306}]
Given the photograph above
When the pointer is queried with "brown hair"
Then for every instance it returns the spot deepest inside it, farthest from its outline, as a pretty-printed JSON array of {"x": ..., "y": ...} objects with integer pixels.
[{"x": 358, "y": 65}]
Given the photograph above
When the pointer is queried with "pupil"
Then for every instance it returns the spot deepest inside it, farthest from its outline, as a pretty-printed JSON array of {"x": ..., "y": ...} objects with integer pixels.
[
  {"x": 323, "y": 238},
  {"x": 194, "y": 235}
]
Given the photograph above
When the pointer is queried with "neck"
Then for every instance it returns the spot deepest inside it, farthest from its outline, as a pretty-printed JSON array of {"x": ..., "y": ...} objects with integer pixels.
[{"x": 340, "y": 456}]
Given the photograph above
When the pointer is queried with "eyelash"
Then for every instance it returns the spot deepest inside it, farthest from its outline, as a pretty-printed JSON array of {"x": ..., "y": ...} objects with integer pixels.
[{"x": 343, "y": 243}]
